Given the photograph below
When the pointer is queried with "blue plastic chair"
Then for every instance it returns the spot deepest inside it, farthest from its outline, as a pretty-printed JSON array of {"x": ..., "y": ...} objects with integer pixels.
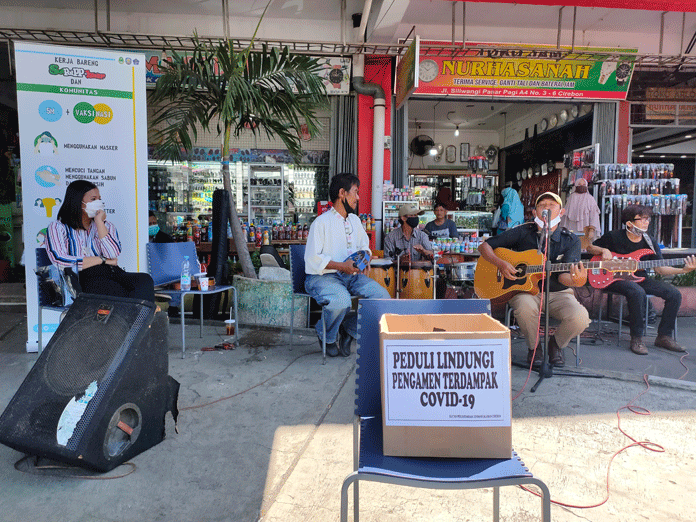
[
  {"x": 432, "y": 473},
  {"x": 298, "y": 275},
  {"x": 164, "y": 265},
  {"x": 47, "y": 276}
]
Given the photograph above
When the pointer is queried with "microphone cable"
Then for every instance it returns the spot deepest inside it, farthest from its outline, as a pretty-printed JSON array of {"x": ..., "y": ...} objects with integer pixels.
[{"x": 541, "y": 307}]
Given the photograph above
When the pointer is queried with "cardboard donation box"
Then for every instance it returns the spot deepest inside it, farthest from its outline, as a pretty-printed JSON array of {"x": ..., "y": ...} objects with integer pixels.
[{"x": 445, "y": 386}]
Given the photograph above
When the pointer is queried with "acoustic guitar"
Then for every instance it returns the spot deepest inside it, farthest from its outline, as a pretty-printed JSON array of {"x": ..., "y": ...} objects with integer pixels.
[
  {"x": 599, "y": 278},
  {"x": 489, "y": 282}
]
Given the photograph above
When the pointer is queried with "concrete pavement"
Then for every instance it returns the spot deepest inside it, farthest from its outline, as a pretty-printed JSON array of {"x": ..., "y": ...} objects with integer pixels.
[{"x": 278, "y": 443}]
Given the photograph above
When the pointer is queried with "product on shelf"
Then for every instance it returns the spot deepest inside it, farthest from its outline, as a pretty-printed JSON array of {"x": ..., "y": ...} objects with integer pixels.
[{"x": 648, "y": 184}]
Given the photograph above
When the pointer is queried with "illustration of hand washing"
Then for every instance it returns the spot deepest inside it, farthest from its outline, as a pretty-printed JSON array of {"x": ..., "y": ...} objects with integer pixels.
[
  {"x": 47, "y": 176},
  {"x": 605, "y": 73}
]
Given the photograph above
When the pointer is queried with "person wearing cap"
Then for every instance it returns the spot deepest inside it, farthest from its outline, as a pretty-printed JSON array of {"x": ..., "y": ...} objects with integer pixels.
[
  {"x": 636, "y": 220},
  {"x": 332, "y": 278},
  {"x": 441, "y": 226},
  {"x": 564, "y": 247},
  {"x": 408, "y": 238}
]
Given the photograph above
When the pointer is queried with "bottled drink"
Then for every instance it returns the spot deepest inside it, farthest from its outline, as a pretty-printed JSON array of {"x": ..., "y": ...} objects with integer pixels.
[
  {"x": 259, "y": 237},
  {"x": 305, "y": 232},
  {"x": 266, "y": 238},
  {"x": 204, "y": 267},
  {"x": 196, "y": 234},
  {"x": 185, "y": 275},
  {"x": 274, "y": 232}
]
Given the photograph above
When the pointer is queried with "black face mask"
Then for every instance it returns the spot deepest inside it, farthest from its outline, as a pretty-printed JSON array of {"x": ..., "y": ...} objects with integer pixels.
[
  {"x": 412, "y": 222},
  {"x": 348, "y": 208}
]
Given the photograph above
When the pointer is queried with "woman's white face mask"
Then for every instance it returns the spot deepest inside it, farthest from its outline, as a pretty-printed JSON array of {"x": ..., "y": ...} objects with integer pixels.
[{"x": 94, "y": 206}]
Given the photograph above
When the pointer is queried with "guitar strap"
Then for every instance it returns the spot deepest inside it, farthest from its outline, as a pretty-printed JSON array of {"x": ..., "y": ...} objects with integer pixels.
[{"x": 649, "y": 242}]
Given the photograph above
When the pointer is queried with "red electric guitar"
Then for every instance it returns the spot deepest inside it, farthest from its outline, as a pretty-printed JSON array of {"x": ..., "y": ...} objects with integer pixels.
[{"x": 600, "y": 278}]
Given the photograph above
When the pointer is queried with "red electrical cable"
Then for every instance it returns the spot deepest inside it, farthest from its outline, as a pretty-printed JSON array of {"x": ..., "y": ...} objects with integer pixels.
[
  {"x": 650, "y": 446},
  {"x": 681, "y": 361}
]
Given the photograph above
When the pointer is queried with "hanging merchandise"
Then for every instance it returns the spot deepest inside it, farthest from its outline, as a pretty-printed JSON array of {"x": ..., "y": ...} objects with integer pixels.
[
  {"x": 477, "y": 163},
  {"x": 649, "y": 184}
]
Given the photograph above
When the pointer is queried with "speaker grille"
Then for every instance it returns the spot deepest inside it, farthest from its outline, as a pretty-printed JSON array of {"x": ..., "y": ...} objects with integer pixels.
[{"x": 89, "y": 348}]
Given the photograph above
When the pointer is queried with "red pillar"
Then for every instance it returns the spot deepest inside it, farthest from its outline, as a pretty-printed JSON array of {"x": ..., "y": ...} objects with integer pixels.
[
  {"x": 624, "y": 134},
  {"x": 378, "y": 69}
]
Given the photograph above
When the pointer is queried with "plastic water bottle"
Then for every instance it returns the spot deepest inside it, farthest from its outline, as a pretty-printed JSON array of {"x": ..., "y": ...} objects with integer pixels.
[{"x": 185, "y": 275}]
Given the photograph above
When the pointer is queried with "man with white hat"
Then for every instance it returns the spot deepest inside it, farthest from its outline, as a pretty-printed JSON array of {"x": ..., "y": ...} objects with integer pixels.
[
  {"x": 408, "y": 237},
  {"x": 563, "y": 247}
]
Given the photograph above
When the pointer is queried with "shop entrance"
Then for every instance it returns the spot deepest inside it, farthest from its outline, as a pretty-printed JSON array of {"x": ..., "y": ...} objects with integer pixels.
[
  {"x": 474, "y": 149},
  {"x": 664, "y": 133}
]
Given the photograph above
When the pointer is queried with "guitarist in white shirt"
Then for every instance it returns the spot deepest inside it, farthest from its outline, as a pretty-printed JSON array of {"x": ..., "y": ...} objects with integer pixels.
[
  {"x": 636, "y": 219},
  {"x": 564, "y": 246}
]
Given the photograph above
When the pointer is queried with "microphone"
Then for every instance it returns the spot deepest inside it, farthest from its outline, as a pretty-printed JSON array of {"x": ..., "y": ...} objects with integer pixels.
[{"x": 545, "y": 214}]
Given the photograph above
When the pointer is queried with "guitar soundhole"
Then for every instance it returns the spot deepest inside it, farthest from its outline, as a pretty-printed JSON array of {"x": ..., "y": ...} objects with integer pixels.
[{"x": 521, "y": 274}]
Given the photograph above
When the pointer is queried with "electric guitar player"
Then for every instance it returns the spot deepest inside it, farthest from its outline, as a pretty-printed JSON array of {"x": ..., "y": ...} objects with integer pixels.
[{"x": 634, "y": 237}]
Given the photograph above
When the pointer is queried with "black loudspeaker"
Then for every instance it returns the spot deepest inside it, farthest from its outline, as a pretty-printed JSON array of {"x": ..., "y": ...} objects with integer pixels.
[{"x": 99, "y": 393}]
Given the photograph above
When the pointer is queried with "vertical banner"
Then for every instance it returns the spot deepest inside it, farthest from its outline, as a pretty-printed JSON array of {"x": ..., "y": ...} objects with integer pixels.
[
  {"x": 82, "y": 115},
  {"x": 406, "y": 77}
]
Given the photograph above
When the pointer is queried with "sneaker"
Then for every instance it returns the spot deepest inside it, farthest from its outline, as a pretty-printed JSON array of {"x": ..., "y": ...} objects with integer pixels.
[
  {"x": 666, "y": 342},
  {"x": 638, "y": 347}
]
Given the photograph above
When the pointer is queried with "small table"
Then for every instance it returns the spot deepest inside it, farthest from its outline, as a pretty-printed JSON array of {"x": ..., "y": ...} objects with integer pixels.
[{"x": 214, "y": 290}]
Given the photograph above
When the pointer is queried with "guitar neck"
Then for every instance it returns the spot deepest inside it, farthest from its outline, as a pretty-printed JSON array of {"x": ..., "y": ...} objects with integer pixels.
[
  {"x": 562, "y": 267},
  {"x": 661, "y": 262}
]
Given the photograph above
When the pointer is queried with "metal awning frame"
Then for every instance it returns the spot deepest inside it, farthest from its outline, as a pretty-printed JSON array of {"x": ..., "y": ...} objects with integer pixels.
[{"x": 142, "y": 42}]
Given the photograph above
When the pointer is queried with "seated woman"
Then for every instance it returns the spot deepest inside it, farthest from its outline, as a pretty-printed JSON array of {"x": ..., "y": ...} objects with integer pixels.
[
  {"x": 511, "y": 210},
  {"x": 82, "y": 239}
]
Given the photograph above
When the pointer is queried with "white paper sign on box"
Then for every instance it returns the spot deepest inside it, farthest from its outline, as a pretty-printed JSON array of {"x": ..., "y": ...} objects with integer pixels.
[{"x": 454, "y": 382}]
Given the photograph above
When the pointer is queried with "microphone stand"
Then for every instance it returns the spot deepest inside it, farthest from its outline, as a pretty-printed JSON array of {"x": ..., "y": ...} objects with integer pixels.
[
  {"x": 435, "y": 258},
  {"x": 546, "y": 369},
  {"x": 398, "y": 252}
]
